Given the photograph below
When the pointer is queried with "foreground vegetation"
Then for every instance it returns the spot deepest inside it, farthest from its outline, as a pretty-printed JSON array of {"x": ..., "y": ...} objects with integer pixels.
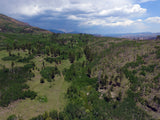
[{"x": 78, "y": 76}]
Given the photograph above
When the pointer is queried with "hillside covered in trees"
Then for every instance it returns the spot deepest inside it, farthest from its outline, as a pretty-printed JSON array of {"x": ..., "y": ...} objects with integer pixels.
[{"x": 48, "y": 76}]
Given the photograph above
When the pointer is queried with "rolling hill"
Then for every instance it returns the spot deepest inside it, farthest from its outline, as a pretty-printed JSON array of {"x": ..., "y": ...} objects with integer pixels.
[{"x": 8, "y": 24}]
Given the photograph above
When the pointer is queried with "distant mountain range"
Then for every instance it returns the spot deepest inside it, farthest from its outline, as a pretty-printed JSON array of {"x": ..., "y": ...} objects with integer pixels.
[
  {"x": 59, "y": 31},
  {"x": 136, "y": 36},
  {"x": 56, "y": 31},
  {"x": 132, "y": 36}
]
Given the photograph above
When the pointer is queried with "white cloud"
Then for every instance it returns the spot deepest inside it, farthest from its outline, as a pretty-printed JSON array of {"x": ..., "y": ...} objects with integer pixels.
[
  {"x": 105, "y": 23},
  {"x": 143, "y": 1},
  {"x": 153, "y": 20},
  {"x": 30, "y": 10},
  {"x": 127, "y": 10},
  {"x": 110, "y": 21},
  {"x": 89, "y": 12},
  {"x": 73, "y": 17},
  {"x": 139, "y": 20},
  {"x": 103, "y": 7},
  {"x": 107, "y": 13}
]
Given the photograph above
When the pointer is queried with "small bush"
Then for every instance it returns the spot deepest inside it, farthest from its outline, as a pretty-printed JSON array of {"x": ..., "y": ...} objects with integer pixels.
[
  {"x": 54, "y": 115},
  {"x": 49, "y": 73},
  {"x": 42, "y": 99},
  {"x": 12, "y": 117},
  {"x": 30, "y": 94},
  {"x": 143, "y": 73},
  {"x": 11, "y": 58},
  {"x": 42, "y": 80}
]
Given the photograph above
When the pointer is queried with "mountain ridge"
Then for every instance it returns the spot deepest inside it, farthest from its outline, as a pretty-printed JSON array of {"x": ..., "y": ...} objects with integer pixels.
[
  {"x": 135, "y": 36},
  {"x": 8, "y": 24}
]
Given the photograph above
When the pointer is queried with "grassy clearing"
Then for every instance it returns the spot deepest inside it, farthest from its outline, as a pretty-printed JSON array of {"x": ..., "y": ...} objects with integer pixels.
[
  {"x": 7, "y": 64},
  {"x": 30, "y": 108},
  {"x": 54, "y": 91},
  {"x": 3, "y": 54}
]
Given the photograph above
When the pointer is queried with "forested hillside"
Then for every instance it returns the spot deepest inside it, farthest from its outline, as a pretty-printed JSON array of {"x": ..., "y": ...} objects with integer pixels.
[{"x": 48, "y": 76}]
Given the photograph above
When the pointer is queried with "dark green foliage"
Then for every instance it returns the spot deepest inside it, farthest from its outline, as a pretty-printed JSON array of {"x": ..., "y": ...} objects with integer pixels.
[
  {"x": 69, "y": 75},
  {"x": 127, "y": 110},
  {"x": 49, "y": 73},
  {"x": 130, "y": 75},
  {"x": 125, "y": 44},
  {"x": 26, "y": 59},
  {"x": 42, "y": 99},
  {"x": 50, "y": 59},
  {"x": 12, "y": 117},
  {"x": 149, "y": 68},
  {"x": 56, "y": 59},
  {"x": 89, "y": 72},
  {"x": 138, "y": 62},
  {"x": 104, "y": 81},
  {"x": 91, "y": 107},
  {"x": 156, "y": 99},
  {"x": 79, "y": 75},
  {"x": 83, "y": 106},
  {"x": 47, "y": 50},
  {"x": 79, "y": 55},
  {"x": 88, "y": 53},
  {"x": 102, "y": 109},
  {"x": 72, "y": 92},
  {"x": 11, "y": 58},
  {"x": 29, "y": 94},
  {"x": 54, "y": 115},
  {"x": 71, "y": 57},
  {"x": 39, "y": 117},
  {"x": 143, "y": 73},
  {"x": 29, "y": 66},
  {"x": 42, "y": 80},
  {"x": 158, "y": 51},
  {"x": 12, "y": 84},
  {"x": 61, "y": 116}
]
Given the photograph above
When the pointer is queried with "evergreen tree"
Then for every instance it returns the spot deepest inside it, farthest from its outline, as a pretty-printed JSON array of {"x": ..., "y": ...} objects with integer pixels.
[{"x": 71, "y": 57}]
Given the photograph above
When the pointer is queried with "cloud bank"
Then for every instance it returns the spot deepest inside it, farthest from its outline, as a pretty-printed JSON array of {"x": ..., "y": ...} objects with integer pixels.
[{"x": 85, "y": 12}]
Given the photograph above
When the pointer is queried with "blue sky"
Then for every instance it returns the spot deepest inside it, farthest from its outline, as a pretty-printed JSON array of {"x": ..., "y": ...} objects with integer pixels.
[{"x": 87, "y": 16}]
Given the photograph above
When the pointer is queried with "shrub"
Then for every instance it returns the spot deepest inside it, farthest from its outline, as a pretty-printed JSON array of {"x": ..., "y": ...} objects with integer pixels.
[
  {"x": 42, "y": 80},
  {"x": 143, "y": 73},
  {"x": 26, "y": 59},
  {"x": 53, "y": 114},
  {"x": 42, "y": 99},
  {"x": 49, "y": 73},
  {"x": 30, "y": 94},
  {"x": 12, "y": 117},
  {"x": 11, "y": 58}
]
